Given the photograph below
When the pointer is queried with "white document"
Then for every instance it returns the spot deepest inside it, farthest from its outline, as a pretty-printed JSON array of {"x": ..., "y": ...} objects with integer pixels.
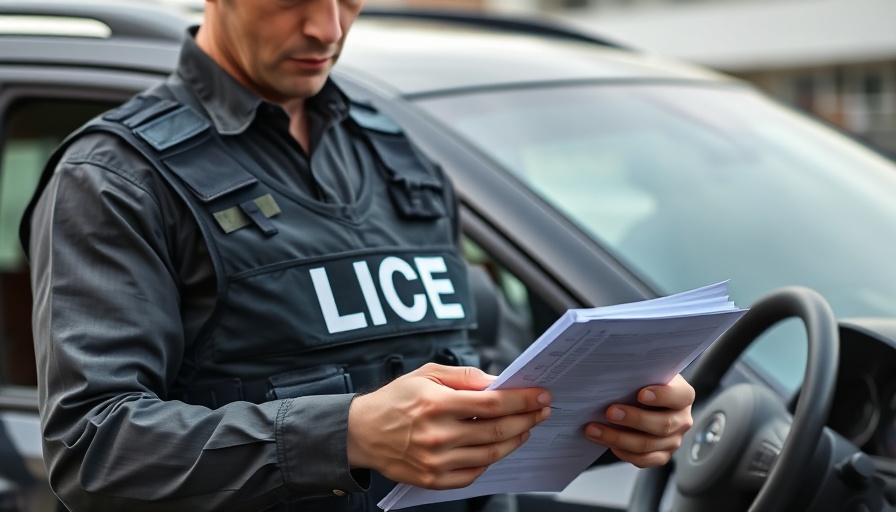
[{"x": 590, "y": 359}]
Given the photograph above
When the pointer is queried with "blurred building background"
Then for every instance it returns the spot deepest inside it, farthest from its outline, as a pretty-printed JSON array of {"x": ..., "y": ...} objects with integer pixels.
[{"x": 833, "y": 58}]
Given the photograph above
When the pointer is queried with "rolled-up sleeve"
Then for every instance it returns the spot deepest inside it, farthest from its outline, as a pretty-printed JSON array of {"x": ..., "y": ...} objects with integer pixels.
[{"x": 110, "y": 339}]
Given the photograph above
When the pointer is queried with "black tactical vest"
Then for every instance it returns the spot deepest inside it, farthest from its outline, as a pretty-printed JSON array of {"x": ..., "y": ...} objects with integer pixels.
[{"x": 298, "y": 279}]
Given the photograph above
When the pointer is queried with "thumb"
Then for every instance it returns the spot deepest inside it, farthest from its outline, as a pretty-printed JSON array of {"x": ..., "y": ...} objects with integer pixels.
[{"x": 459, "y": 377}]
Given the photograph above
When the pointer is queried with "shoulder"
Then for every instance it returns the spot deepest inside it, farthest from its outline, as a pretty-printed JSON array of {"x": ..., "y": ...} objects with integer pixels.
[
  {"x": 102, "y": 181},
  {"x": 103, "y": 165},
  {"x": 110, "y": 153}
]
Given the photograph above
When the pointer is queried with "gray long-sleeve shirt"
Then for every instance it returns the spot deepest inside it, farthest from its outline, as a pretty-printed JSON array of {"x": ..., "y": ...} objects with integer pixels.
[{"x": 123, "y": 282}]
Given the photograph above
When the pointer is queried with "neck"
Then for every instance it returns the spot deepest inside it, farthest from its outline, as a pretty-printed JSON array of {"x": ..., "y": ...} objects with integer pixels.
[
  {"x": 295, "y": 108},
  {"x": 298, "y": 123}
]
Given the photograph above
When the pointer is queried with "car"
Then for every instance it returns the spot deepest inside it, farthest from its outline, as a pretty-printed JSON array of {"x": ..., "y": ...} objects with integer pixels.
[{"x": 589, "y": 174}]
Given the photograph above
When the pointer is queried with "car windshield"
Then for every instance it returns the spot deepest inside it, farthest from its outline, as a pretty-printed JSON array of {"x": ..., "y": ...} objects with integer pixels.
[{"x": 693, "y": 184}]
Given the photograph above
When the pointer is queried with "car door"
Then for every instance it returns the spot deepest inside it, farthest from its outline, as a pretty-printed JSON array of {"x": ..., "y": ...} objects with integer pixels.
[{"x": 48, "y": 87}]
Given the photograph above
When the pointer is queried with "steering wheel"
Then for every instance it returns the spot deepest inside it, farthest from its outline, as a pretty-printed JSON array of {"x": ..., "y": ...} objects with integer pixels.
[{"x": 744, "y": 439}]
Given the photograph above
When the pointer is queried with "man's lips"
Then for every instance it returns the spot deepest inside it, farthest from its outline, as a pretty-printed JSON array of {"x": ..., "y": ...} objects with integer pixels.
[{"x": 313, "y": 62}]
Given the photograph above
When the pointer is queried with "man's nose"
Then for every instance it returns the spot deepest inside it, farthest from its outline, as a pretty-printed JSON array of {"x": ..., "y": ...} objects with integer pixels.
[{"x": 322, "y": 22}]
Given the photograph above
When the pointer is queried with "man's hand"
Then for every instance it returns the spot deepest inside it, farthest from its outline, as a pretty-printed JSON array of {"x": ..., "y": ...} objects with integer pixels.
[
  {"x": 649, "y": 435},
  {"x": 436, "y": 428}
]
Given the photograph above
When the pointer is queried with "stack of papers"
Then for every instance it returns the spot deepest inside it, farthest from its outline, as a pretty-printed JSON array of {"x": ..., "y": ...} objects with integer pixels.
[{"x": 590, "y": 359}]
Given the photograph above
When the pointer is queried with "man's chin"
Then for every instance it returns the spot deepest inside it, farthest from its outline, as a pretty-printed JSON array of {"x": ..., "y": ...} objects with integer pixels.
[
  {"x": 295, "y": 90},
  {"x": 309, "y": 91}
]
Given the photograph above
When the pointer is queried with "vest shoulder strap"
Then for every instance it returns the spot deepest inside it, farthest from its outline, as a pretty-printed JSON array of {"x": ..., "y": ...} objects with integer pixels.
[
  {"x": 415, "y": 187},
  {"x": 185, "y": 142}
]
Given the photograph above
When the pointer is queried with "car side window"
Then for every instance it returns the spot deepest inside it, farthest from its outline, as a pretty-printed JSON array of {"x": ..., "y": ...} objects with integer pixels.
[
  {"x": 32, "y": 129},
  {"x": 519, "y": 313}
]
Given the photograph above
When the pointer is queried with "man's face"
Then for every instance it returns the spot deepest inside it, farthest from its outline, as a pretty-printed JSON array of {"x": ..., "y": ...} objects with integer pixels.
[{"x": 281, "y": 49}]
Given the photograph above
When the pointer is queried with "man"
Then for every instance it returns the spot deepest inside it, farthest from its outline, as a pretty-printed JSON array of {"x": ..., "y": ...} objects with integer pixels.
[{"x": 196, "y": 252}]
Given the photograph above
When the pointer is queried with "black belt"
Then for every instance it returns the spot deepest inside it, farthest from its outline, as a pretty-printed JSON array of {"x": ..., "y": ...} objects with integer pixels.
[{"x": 320, "y": 380}]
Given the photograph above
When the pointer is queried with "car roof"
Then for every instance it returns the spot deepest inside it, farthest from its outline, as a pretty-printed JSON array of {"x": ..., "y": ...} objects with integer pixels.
[
  {"x": 402, "y": 52},
  {"x": 141, "y": 19},
  {"x": 134, "y": 35},
  {"x": 410, "y": 53}
]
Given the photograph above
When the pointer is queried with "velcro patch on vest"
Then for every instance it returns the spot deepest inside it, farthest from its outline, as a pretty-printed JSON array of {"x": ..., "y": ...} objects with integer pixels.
[
  {"x": 172, "y": 128},
  {"x": 235, "y": 218}
]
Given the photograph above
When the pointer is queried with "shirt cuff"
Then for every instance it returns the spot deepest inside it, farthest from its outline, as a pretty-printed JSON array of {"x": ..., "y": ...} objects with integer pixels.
[{"x": 311, "y": 436}]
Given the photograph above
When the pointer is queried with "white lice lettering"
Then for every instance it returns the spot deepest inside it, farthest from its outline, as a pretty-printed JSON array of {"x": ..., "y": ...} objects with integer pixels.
[
  {"x": 374, "y": 306},
  {"x": 435, "y": 288},
  {"x": 335, "y": 322},
  {"x": 388, "y": 268}
]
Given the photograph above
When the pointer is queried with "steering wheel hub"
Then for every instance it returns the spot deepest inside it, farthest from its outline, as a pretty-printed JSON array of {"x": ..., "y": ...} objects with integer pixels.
[{"x": 708, "y": 437}]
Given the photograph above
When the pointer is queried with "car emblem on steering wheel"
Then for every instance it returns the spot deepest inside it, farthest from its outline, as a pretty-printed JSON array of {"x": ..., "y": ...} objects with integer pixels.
[{"x": 708, "y": 437}]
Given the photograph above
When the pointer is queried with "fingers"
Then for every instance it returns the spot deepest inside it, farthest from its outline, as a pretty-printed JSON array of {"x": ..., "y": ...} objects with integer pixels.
[
  {"x": 633, "y": 441},
  {"x": 656, "y": 422},
  {"x": 648, "y": 436},
  {"x": 497, "y": 430},
  {"x": 456, "y": 377},
  {"x": 470, "y": 401},
  {"x": 677, "y": 394},
  {"x": 443, "y": 468},
  {"x": 638, "y": 448},
  {"x": 454, "y": 479},
  {"x": 668, "y": 411},
  {"x": 460, "y": 467},
  {"x": 497, "y": 404},
  {"x": 644, "y": 460}
]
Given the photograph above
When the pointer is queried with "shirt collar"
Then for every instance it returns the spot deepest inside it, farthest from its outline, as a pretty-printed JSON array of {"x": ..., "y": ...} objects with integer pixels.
[{"x": 231, "y": 106}]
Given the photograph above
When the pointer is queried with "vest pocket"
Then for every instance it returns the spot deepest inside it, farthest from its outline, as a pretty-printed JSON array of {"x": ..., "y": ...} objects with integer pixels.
[{"x": 328, "y": 379}]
